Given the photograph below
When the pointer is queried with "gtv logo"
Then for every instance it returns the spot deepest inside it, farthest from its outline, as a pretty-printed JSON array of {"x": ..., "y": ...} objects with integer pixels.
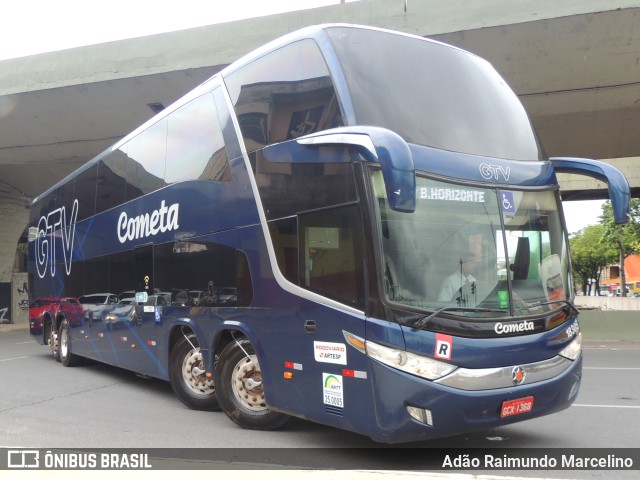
[
  {"x": 51, "y": 226},
  {"x": 495, "y": 172}
]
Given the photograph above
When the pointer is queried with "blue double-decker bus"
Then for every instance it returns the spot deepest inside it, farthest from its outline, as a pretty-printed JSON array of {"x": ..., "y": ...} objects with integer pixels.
[{"x": 350, "y": 225}]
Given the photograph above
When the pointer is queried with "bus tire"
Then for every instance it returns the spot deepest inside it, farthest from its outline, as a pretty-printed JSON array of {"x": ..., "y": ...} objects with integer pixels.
[
  {"x": 67, "y": 358},
  {"x": 53, "y": 341},
  {"x": 240, "y": 389},
  {"x": 187, "y": 376}
]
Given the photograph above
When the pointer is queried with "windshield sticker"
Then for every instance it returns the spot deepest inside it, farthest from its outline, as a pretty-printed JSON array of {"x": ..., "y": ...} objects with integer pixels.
[
  {"x": 506, "y": 202},
  {"x": 327, "y": 352},
  {"x": 444, "y": 347},
  {"x": 332, "y": 390},
  {"x": 503, "y": 298},
  {"x": 509, "y": 204}
]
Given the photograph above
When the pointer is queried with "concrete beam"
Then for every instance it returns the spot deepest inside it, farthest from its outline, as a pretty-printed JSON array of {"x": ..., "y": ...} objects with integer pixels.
[{"x": 221, "y": 44}]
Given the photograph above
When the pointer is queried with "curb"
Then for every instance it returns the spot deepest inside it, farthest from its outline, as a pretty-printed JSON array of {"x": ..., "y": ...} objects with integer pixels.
[
  {"x": 14, "y": 327},
  {"x": 615, "y": 329}
]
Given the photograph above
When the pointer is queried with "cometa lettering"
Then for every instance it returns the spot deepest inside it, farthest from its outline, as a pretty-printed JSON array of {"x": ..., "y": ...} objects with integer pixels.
[
  {"x": 501, "y": 328},
  {"x": 162, "y": 220}
]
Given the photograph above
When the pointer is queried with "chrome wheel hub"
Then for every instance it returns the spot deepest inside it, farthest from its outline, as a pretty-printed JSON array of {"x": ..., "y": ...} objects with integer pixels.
[{"x": 247, "y": 384}]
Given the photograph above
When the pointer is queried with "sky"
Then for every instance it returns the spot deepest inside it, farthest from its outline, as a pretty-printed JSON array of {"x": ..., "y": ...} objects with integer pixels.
[
  {"x": 580, "y": 214},
  {"x": 29, "y": 27}
]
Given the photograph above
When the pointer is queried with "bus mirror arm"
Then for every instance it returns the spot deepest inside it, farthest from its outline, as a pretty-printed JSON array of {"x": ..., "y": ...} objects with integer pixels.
[
  {"x": 378, "y": 145},
  {"x": 619, "y": 190}
]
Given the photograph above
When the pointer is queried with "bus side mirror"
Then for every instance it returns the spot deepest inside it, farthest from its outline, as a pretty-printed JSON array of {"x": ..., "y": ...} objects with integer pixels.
[
  {"x": 378, "y": 145},
  {"x": 619, "y": 190}
]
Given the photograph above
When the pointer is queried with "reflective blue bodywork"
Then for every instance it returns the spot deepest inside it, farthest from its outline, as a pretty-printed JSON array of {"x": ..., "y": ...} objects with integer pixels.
[{"x": 303, "y": 328}]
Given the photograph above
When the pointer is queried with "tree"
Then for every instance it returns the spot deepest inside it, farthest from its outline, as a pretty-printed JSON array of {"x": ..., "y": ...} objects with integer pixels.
[
  {"x": 624, "y": 238},
  {"x": 589, "y": 255}
]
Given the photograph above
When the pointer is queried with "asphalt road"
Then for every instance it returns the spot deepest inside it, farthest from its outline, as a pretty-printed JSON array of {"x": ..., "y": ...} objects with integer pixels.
[{"x": 44, "y": 405}]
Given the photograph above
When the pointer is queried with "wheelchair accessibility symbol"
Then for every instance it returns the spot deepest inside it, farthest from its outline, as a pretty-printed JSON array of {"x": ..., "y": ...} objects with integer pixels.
[{"x": 507, "y": 203}]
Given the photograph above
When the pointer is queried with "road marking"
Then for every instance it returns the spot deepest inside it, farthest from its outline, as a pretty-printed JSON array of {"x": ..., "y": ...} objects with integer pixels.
[
  {"x": 604, "y": 406},
  {"x": 611, "y": 368},
  {"x": 22, "y": 343},
  {"x": 9, "y": 359}
]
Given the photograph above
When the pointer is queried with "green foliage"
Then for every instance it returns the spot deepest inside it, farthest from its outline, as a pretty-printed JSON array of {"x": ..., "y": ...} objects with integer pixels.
[
  {"x": 625, "y": 238},
  {"x": 590, "y": 254}
]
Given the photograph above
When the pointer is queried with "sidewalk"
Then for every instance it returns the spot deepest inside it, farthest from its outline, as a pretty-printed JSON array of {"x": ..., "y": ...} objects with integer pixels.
[
  {"x": 14, "y": 327},
  {"x": 610, "y": 326}
]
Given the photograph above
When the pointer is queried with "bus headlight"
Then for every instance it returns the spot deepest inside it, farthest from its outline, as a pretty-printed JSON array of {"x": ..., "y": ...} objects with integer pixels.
[
  {"x": 409, "y": 362},
  {"x": 572, "y": 351}
]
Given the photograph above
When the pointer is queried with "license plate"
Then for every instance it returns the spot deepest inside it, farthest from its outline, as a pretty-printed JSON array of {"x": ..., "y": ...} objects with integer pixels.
[{"x": 516, "y": 407}]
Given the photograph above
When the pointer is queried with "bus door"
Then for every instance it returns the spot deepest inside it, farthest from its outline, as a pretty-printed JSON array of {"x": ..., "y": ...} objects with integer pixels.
[
  {"x": 148, "y": 309},
  {"x": 328, "y": 373}
]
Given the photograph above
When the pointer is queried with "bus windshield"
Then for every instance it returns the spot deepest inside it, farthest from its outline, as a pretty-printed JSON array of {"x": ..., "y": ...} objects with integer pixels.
[{"x": 468, "y": 247}]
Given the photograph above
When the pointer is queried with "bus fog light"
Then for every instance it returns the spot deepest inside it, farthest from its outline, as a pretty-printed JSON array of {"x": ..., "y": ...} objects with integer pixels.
[
  {"x": 572, "y": 351},
  {"x": 421, "y": 415}
]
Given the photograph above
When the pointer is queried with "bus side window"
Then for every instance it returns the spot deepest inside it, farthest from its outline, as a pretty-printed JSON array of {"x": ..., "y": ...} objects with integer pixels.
[
  {"x": 195, "y": 147},
  {"x": 145, "y": 163},
  {"x": 284, "y": 234},
  {"x": 204, "y": 271},
  {"x": 111, "y": 180},
  {"x": 85, "y": 192},
  {"x": 284, "y": 95},
  {"x": 331, "y": 254}
]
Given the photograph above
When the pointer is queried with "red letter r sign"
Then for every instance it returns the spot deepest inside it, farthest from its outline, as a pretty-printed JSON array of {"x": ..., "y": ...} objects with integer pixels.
[{"x": 444, "y": 346}]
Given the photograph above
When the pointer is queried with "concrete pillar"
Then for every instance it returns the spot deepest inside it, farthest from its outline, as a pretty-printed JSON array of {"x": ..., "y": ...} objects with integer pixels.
[
  {"x": 20, "y": 299},
  {"x": 14, "y": 217}
]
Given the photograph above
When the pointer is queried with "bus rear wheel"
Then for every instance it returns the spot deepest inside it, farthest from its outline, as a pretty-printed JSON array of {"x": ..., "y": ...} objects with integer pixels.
[
  {"x": 240, "y": 388},
  {"x": 67, "y": 358},
  {"x": 53, "y": 342},
  {"x": 187, "y": 376}
]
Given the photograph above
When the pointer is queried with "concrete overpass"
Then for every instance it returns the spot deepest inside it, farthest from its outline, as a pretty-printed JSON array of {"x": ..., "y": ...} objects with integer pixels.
[{"x": 574, "y": 63}]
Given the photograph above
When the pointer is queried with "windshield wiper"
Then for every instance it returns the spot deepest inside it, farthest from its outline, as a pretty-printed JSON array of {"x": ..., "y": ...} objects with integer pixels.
[
  {"x": 420, "y": 324},
  {"x": 571, "y": 306}
]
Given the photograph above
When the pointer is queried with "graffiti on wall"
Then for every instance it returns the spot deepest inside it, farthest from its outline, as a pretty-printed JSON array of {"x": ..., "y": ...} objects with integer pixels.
[{"x": 5, "y": 303}]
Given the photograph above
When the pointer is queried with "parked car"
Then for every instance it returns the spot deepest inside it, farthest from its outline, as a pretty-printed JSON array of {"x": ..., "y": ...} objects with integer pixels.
[
  {"x": 96, "y": 305},
  {"x": 227, "y": 296},
  {"x": 195, "y": 296},
  {"x": 125, "y": 310},
  {"x": 43, "y": 311}
]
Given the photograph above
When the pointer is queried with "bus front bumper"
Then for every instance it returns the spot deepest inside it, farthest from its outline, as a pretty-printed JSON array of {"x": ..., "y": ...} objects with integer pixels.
[{"x": 428, "y": 410}]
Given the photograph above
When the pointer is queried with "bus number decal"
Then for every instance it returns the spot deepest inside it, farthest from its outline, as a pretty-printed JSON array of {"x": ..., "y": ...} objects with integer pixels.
[
  {"x": 328, "y": 352},
  {"x": 573, "y": 329},
  {"x": 332, "y": 390}
]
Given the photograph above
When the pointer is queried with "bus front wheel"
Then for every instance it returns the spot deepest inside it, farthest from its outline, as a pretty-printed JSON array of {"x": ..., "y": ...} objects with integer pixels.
[
  {"x": 188, "y": 376},
  {"x": 240, "y": 388}
]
